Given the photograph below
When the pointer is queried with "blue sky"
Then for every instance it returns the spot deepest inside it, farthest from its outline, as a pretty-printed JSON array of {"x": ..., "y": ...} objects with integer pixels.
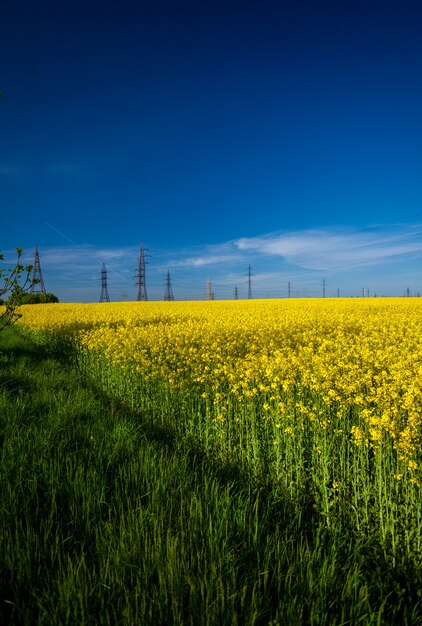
[{"x": 282, "y": 135}]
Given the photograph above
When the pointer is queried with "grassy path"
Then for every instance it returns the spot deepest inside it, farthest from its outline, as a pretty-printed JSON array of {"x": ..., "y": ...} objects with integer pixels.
[{"x": 105, "y": 519}]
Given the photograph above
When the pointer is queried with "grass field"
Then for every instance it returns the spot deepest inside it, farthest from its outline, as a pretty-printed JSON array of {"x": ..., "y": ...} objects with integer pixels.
[{"x": 212, "y": 464}]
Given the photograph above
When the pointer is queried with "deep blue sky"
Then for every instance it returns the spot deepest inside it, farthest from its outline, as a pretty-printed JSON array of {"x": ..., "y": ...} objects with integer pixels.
[{"x": 287, "y": 135}]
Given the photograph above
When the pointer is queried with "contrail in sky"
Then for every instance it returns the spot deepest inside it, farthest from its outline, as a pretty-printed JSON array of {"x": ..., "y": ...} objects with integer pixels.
[
  {"x": 61, "y": 234},
  {"x": 75, "y": 244}
]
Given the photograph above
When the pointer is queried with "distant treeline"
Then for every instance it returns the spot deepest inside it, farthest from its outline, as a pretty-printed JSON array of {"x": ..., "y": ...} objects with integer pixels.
[{"x": 34, "y": 298}]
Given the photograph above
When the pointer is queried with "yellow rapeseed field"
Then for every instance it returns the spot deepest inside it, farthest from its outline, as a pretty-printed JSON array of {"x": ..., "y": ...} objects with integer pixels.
[
  {"x": 359, "y": 355},
  {"x": 321, "y": 397}
]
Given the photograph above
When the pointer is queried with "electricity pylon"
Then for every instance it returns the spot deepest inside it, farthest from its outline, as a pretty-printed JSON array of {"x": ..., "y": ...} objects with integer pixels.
[
  {"x": 141, "y": 278},
  {"x": 104, "y": 297},
  {"x": 249, "y": 282},
  {"x": 168, "y": 294},
  {"x": 37, "y": 283}
]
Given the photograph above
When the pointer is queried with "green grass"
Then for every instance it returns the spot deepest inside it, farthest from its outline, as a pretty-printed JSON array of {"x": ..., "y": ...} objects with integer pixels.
[
  {"x": 107, "y": 518},
  {"x": 357, "y": 490}
]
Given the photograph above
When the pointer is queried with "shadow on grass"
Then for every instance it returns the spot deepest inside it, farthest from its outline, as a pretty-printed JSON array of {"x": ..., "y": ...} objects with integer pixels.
[
  {"x": 297, "y": 520},
  {"x": 13, "y": 385},
  {"x": 16, "y": 346}
]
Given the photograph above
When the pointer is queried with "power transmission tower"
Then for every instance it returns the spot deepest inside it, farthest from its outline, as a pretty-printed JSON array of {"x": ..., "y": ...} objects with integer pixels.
[
  {"x": 324, "y": 284},
  {"x": 141, "y": 279},
  {"x": 210, "y": 292},
  {"x": 236, "y": 293},
  {"x": 37, "y": 284},
  {"x": 168, "y": 294},
  {"x": 249, "y": 282},
  {"x": 104, "y": 297},
  {"x": 289, "y": 289}
]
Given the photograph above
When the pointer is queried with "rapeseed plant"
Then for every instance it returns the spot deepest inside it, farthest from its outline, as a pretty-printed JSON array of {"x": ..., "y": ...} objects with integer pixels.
[{"x": 316, "y": 394}]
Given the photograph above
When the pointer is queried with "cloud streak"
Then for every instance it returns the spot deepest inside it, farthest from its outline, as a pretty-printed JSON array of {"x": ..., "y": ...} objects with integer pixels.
[
  {"x": 207, "y": 261},
  {"x": 333, "y": 249}
]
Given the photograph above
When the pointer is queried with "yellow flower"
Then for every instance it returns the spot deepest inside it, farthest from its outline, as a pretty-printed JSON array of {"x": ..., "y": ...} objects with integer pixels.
[{"x": 318, "y": 362}]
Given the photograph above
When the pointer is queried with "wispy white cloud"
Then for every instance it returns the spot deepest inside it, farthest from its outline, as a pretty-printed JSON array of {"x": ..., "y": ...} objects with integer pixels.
[
  {"x": 77, "y": 259},
  {"x": 206, "y": 261},
  {"x": 337, "y": 249}
]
